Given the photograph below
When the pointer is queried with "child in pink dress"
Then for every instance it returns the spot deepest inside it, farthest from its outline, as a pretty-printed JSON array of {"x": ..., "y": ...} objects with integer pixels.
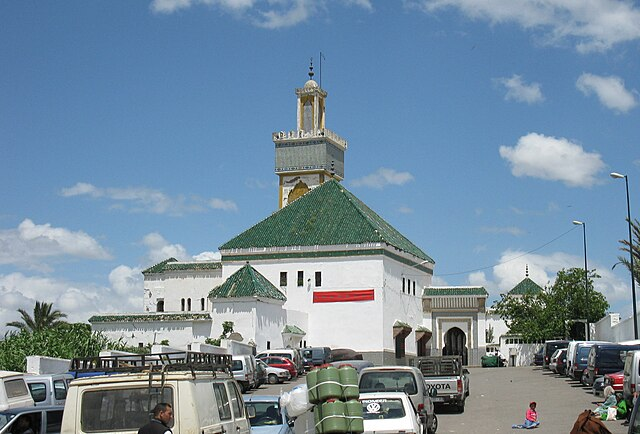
[{"x": 531, "y": 419}]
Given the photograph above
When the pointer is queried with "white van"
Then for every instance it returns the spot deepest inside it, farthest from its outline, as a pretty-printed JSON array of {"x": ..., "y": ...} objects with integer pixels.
[
  {"x": 292, "y": 354},
  {"x": 631, "y": 381},
  {"x": 48, "y": 389},
  {"x": 200, "y": 388},
  {"x": 13, "y": 391},
  {"x": 244, "y": 371}
]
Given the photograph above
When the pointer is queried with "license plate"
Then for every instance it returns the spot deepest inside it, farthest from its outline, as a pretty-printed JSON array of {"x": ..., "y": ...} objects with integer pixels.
[{"x": 437, "y": 399}]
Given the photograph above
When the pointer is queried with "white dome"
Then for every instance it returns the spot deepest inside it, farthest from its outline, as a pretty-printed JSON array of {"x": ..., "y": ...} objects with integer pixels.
[{"x": 310, "y": 83}]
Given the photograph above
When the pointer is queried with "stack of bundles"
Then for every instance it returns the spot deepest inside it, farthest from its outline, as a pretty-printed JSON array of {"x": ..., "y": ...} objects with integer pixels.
[{"x": 335, "y": 395}]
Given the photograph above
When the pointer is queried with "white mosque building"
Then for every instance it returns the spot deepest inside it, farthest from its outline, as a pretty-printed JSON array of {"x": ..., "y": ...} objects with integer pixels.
[{"x": 324, "y": 270}]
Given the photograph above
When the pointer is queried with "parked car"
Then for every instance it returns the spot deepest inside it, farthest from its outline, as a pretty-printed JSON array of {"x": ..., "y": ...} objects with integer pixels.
[
  {"x": 317, "y": 355},
  {"x": 266, "y": 416},
  {"x": 615, "y": 380},
  {"x": 558, "y": 361},
  {"x": 631, "y": 380},
  {"x": 292, "y": 354},
  {"x": 579, "y": 363},
  {"x": 48, "y": 389},
  {"x": 42, "y": 420},
  {"x": 549, "y": 348},
  {"x": 244, "y": 371},
  {"x": 13, "y": 391},
  {"x": 406, "y": 379},
  {"x": 389, "y": 412},
  {"x": 281, "y": 362},
  {"x": 446, "y": 376},
  {"x": 606, "y": 359},
  {"x": 274, "y": 375},
  {"x": 598, "y": 386},
  {"x": 538, "y": 357}
]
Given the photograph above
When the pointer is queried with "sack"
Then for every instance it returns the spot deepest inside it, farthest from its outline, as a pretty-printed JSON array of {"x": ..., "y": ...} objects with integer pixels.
[
  {"x": 588, "y": 423},
  {"x": 612, "y": 413},
  {"x": 297, "y": 401}
]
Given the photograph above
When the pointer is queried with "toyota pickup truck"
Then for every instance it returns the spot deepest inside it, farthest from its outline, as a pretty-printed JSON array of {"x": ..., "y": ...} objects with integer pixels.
[{"x": 446, "y": 375}]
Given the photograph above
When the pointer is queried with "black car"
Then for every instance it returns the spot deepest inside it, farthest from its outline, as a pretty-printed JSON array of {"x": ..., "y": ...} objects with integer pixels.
[{"x": 538, "y": 357}]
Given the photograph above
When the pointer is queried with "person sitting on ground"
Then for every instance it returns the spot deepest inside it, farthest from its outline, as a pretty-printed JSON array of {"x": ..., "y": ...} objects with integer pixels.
[
  {"x": 621, "y": 406},
  {"x": 531, "y": 419},
  {"x": 609, "y": 401}
]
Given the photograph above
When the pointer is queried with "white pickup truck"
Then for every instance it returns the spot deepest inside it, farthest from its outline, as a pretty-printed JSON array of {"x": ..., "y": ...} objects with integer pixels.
[{"x": 446, "y": 375}]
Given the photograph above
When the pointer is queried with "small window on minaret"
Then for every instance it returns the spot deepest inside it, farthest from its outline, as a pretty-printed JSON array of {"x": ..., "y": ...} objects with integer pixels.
[
  {"x": 160, "y": 305},
  {"x": 182, "y": 305},
  {"x": 189, "y": 305},
  {"x": 283, "y": 278},
  {"x": 307, "y": 116},
  {"x": 318, "y": 278},
  {"x": 300, "y": 278},
  {"x": 202, "y": 304}
]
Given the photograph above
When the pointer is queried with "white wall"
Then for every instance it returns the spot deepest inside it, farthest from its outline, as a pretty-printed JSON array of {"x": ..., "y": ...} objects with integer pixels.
[
  {"x": 176, "y": 285},
  {"x": 179, "y": 333}
]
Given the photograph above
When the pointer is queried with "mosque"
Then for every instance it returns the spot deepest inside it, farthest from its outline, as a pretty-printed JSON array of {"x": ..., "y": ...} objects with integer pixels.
[{"x": 323, "y": 270}]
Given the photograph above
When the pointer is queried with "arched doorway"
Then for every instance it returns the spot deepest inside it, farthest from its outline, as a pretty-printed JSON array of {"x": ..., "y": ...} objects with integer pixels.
[{"x": 455, "y": 344}]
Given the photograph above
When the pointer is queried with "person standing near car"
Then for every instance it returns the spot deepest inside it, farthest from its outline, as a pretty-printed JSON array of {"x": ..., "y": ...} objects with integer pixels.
[{"x": 162, "y": 416}]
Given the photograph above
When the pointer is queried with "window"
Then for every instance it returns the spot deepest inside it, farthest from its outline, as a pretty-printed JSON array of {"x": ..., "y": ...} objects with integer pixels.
[
  {"x": 60, "y": 389},
  {"x": 189, "y": 304},
  {"x": 15, "y": 388},
  {"x": 318, "y": 278},
  {"x": 222, "y": 399},
  {"x": 182, "y": 305},
  {"x": 125, "y": 409},
  {"x": 414, "y": 287},
  {"x": 236, "y": 399},
  {"x": 202, "y": 304},
  {"x": 300, "y": 278},
  {"x": 399, "y": 346},
  {"x": 403, "y": 283},
  {"x": 54, "y": 421},
  {"x": 268, "y": 345},
  {"x": 160, "y": 305},
  {"x": 283, "y": 278},
  {"x": 38, "y": 391}
]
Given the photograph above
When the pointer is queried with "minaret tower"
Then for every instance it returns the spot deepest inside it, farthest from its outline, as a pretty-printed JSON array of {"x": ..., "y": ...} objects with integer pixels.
[{"x": 308, "y": 156}]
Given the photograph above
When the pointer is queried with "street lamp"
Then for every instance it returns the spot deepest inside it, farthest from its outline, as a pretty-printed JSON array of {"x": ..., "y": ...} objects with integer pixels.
[
  {"x": 633, "y": 280},
  {"x": 586, "y": 274}
]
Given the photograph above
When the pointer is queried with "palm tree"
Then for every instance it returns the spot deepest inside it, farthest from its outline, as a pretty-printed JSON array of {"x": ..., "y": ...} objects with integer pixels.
[
  {"x": 43, "y": 318},
  {"x": 635, "y": 230}
]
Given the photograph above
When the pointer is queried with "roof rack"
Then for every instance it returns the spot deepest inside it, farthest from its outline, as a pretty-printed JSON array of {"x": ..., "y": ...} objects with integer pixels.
[
  {"x": 440, "y": 365},
  {"x": 160, "y": 362}
]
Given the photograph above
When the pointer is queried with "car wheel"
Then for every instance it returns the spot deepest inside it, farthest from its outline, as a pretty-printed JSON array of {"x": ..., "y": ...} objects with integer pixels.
[
  {"x": 434, "y": 425},
  {"x": 273, "y": 379}
]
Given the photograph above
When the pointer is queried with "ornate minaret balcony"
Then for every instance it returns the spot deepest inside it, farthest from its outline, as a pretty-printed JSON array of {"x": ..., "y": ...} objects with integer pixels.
[{"x": 292, "y": 136}]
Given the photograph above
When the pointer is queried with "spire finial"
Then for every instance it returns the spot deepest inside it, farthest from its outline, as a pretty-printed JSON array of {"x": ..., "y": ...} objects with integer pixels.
[
  {"x": 311, "y": 69},
  {"x": 526, "y": 270}
]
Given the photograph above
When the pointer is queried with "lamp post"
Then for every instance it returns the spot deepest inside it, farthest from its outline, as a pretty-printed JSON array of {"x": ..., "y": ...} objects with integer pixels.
[
  {"x": 633, "y": 280},
  {"x": 586, "y": 275}
]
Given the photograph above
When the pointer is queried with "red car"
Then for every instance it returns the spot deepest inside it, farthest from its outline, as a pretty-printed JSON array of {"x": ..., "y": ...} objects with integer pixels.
[
  {"x": 281, "y": 362},
  {"x": 614, "y": 380}
]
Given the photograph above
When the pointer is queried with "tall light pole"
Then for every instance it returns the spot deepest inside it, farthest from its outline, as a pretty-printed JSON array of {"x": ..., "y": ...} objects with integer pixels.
[
  {"x": 633, "y": 280},
  {"x": 586, "y": 275}
]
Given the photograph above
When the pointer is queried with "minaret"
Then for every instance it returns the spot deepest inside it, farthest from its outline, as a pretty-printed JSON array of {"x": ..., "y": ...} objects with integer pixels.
[{"x": 308, "y": 156}]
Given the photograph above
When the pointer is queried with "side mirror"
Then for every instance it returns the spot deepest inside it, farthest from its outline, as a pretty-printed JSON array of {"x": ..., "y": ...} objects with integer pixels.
[
  {"x": 433, "y": 392},
  {"x": 251, "y": 411},
  {"x": 465, "y": 371}
]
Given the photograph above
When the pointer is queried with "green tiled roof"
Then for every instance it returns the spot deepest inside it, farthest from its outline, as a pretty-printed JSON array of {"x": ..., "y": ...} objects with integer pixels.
[
  {"x": 527, "y": 286},
  {"x": 294, "y": 330},
  {"x": 172, "y": 264},
  {"x": 247, "y": 282},
  {"x": 434, "y": 291},
  {"x": 150, "y": 317},
  {"x": 328, "y": 215}
]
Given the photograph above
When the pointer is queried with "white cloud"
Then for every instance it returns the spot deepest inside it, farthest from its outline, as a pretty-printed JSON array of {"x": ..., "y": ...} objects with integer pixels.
[
  {"x": 160, "y": 249},
  {"x": 78, "y": 300},
  {"x": 609, "y": 90},
  {"x": 554, "y": 159},
  {"x": 207, "y": 256},
  {"x": 142, "y": 199},
  {"x": 593, "y": 25},
  {"x": 518, "y": 90},
  {"x": 30, "y": 245},
  {"x": 383, "y": 177},
  {"x": 405, "y": 210},
  {"x": 297, "y": 13},
  {"x": 511, "y": 230}
]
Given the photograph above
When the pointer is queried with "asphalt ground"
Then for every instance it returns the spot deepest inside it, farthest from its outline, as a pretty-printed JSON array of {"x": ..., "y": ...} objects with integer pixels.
[{"x": 499, "y": 398}]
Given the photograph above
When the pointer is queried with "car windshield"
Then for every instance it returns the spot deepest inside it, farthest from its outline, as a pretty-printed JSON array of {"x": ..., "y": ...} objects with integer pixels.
[
  {"x": 266, "y": 413},
  {"x": 5, "y": 418},
  {"x": 387, "y": 381},
  {"x": 382, "y": 408}
]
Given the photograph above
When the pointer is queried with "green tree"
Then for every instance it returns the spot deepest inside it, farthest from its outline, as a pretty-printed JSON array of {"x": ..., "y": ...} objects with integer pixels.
[
  {"x": 227, "y": 329},
  {"x": 625, "y": 260},
  {"x": 43, "y": 317},
  {"x": 551, "y": 313},
  {"x": 64, "y": 341}
]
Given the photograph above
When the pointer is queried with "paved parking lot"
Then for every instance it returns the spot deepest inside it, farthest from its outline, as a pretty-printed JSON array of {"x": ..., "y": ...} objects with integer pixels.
[{"x": 499, "y": 398}]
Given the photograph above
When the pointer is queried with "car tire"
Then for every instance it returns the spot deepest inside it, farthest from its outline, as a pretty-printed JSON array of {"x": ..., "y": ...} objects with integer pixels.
[
  {"x": 434, "y": 425},
  {"x": 273, "y": 379},
  {"x": 461, "y": 406}
]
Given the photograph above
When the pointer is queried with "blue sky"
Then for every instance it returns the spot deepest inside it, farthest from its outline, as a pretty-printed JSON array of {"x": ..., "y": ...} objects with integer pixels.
[{"x": 133, "y": 131}]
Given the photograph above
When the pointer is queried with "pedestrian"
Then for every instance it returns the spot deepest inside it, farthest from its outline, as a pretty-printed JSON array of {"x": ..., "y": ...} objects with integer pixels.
[
  {"x": 531, "y": 418},
  {"x": 162, "y": 417}
]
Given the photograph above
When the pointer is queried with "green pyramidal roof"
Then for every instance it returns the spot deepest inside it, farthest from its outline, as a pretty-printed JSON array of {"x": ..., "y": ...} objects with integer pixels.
[
  {"x": 327, "y": 215},
  {"x": 527, "y": 286},
  {"x": 247, "y": 282}
]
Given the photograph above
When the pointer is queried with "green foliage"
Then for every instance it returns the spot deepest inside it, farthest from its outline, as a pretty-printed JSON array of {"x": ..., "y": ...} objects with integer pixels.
[
  {"x": 551, "y": 313},
  {"x": 43, "y": 318},
  {"x": 65, "y": 341},
  {"x": 626, "y": 260},
  {"x": 164, "y": 342},
  {"x": 227, "y": 329}
]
